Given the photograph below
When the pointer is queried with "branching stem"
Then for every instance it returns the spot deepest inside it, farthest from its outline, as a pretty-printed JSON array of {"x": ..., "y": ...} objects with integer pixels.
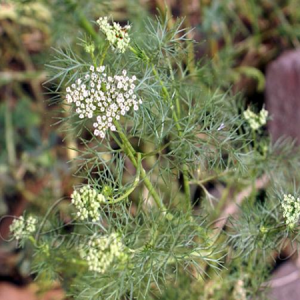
[
  {"x": 135, "y": 183},
  {"x": 131, "y": 153},
  {"x": 167, "y": 97}
]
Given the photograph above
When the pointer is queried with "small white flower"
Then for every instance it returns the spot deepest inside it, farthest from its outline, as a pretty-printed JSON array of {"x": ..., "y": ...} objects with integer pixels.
[
  {"x": 21, "y": 228},
  {"x": 110, "y": 99},
  {"x": 103, "y": 251},
  {"x": 256, "y": 120},
  {"x": 87, "y": 201},
  {"x": 291, "y": 209},
  {"x": 116, "y": 35}
]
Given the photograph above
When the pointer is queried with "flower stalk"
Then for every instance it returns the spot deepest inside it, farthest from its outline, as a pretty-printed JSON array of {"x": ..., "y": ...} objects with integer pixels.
[{"x": 131, "y": 153}]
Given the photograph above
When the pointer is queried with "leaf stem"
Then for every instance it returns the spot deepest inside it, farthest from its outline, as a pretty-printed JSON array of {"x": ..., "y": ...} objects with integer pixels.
[
  {"x": 135, "y": 183},
  {"x": 104, "y": 54},
  {"x": 130, "y": 152}
]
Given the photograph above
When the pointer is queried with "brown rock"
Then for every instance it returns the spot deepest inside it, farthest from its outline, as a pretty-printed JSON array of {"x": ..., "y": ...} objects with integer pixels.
[
  {"x": 12, "y": 292},
  {"x": 9, "y": 291},
  {"x": 283, "y": 95},
  {"x": 285, "y": 283}
]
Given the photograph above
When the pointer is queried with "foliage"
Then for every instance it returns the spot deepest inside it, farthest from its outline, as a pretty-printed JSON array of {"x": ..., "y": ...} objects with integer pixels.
[{"x": 165, "y": 173}]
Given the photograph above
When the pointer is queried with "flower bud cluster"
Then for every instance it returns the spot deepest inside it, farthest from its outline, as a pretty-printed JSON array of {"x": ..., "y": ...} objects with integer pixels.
[
  {"x": 104, "y": 97},
  {"x": 116, "y": 35},
  {"x": 256, "y": 120},
  {"x": 103, "y": 251},
  {"x": 89, "y": 48},
  {"x": 22, "y": 228},
  {"x": 291, "y": 209},
  {"x": 87, "y": 201}
]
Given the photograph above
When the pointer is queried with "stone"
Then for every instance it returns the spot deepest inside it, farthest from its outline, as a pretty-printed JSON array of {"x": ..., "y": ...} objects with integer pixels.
[
  {"x": 9, "y": 291},
  {"x": 283, "y": 95},
  {"x": 285, "y": 283}
]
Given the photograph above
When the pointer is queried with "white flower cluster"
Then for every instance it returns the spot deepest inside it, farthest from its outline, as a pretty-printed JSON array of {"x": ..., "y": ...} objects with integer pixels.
[
  {"x": 116, "y": 35},
  {"x": 104, "y": 97},
  {"x": 103, "y": 251},
  {"x": 21, "y": 228},
  {"x": 256, "y": 120},
  {"x": 291, "y": 209},
  {"x": 87, "y": 201}
]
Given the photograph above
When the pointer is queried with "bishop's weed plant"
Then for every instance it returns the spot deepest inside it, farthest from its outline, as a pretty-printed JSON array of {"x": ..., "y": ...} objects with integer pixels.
[{"x": 162, "y": 155}]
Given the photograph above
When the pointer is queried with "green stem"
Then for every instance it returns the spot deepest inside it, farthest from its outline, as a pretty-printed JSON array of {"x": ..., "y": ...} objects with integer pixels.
[
  {"x": 104, "y": 54},
  {"x": 84, "y": 23},
  {"x": 79, "y": 262},
  {"x": 32, "y": 240},
  {"x": 176, "y": 92},
  {"x": 130, "y": 152},
  {"x": 135, "y": 183}
]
